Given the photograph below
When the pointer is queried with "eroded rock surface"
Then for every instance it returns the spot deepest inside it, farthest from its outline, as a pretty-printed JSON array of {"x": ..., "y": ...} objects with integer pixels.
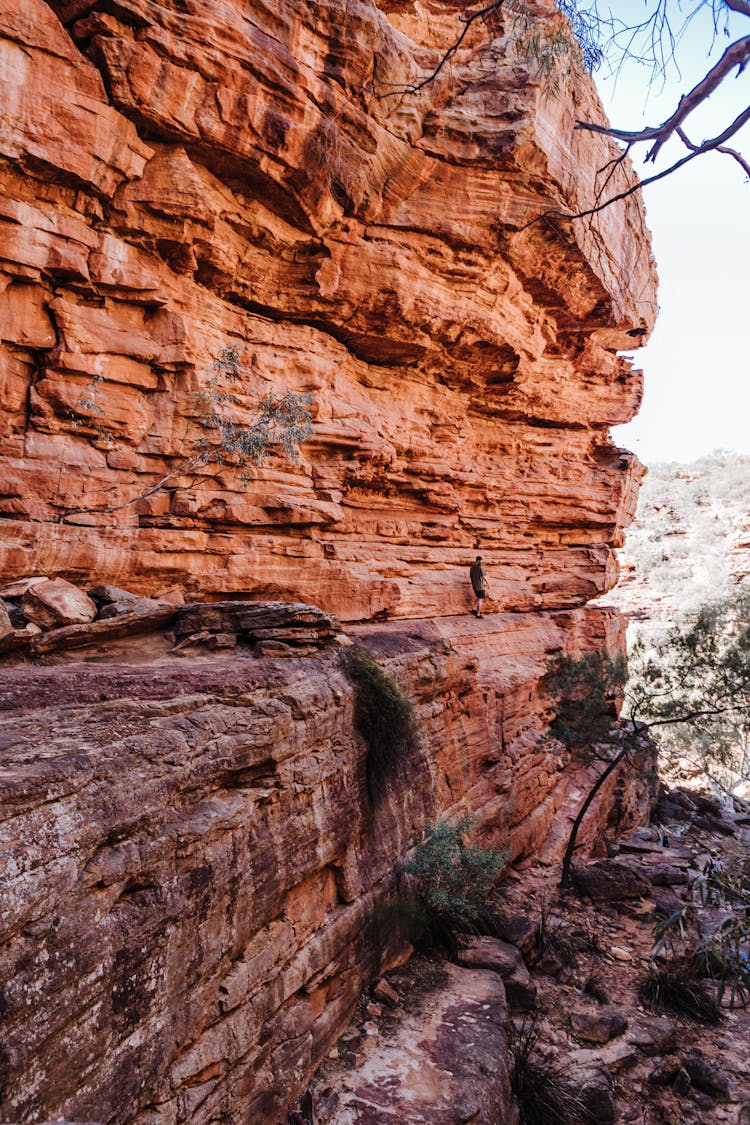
[
  {"x": 192, "y": 857},
  {"x": 443, "y": 1059},
  {"x": 182, "y": 180}
]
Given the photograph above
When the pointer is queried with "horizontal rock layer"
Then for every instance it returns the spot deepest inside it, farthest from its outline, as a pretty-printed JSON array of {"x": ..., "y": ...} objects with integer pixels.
[
  {"x": 179, "y": 180},
  {"x": 191, "y": 857}
]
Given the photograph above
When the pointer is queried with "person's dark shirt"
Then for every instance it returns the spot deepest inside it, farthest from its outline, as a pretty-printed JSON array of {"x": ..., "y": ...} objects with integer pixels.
[{"x": 478, "y": 576}]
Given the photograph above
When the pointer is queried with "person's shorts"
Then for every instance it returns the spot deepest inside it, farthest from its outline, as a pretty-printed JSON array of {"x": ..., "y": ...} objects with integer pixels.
[{"x": 480, "y": 593}]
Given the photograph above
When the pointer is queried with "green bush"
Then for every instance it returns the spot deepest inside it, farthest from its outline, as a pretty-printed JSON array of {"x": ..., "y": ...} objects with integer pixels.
[
  {"x": 385, "y": 719},
  {"x": 585, "y": 691},
  {"x": 455, "y": 884}
]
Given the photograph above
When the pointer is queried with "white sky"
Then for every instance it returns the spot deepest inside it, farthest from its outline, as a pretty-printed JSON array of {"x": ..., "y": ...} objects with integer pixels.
[{"x": 697, "y": 365}]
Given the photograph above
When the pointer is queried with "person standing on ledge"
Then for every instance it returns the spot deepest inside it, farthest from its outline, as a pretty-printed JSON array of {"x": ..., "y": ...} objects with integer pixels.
[{"x": 478, "y": 576}]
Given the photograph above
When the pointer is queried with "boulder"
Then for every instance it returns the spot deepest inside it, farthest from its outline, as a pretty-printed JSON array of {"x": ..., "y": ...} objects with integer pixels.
[
  {"x": 18, "y": 588},
  {"x": 598, "y": 1026},
  {"x": 521, "y": 932},
  {"x": 610, "y": 881},
  {"x": 665, "y": 874},
  {"x": 387, "y": 993},
  {"x": 506, "y": 960},
  {"x": 664, "y": 1072},
  {"x": 653, "y": 1036},
  {"x": 666, "y": 902},
  {"x": 595, "y": 1091},
  {"x": 682, "y": 1084},
  {"x": 490, "y": 953},
  {"x": 6, "y": 625},
  {"x": 54, "y": 602},
  {"x": 112, "y": 595},
  {"x": 707, "y": 1077}
]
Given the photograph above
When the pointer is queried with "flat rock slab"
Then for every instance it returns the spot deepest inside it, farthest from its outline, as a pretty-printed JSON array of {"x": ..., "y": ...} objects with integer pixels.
[
  {"x": 444, "y": 1063},
  {"x": 610, "y": 881}
]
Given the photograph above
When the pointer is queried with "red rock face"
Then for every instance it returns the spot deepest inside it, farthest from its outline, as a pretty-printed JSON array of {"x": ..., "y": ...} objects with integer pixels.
[
  {"x": 196, "y": 856},
  {"x": 181, "y": 180},
  {"x": 192, "y": 856}
]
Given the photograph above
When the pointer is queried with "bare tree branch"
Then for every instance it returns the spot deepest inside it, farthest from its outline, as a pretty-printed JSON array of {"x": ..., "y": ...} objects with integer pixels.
[
  {"x": 467, "y": 21},
  {"x": 736, "y": 55},
  {"x": 716, "y": 144},
  {"x": 719, "y": 148}
]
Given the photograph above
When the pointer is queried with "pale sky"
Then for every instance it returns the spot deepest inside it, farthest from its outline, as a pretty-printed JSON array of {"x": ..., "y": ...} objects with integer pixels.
[{"x": 697, "y": 365}]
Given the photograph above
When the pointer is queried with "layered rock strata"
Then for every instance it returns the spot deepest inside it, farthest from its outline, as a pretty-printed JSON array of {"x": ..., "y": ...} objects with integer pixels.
[
  {"x": 191, "y": 858},
  {"x": 205, "y": 204},
  {"x": 179, "y": 180}
]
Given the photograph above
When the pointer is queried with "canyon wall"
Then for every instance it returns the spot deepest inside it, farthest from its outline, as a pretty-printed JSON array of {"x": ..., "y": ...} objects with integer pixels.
[
  {"x": 188, "y": 178},
  {"x": 191, "y": 856}
]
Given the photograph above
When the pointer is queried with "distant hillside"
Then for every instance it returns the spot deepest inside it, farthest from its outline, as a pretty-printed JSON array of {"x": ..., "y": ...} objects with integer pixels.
[{"x": 690, "y": 543}]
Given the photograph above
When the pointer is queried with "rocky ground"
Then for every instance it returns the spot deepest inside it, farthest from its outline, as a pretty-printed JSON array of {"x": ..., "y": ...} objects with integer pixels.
[{"x": 572, "y": 967}]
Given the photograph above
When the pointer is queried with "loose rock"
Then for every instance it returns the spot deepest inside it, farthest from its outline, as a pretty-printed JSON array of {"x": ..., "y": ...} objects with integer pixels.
[
  {"x": 55, "y": 602},
  {"x": 610, "y": 881},
  {"x": 598, "y": 1026}
]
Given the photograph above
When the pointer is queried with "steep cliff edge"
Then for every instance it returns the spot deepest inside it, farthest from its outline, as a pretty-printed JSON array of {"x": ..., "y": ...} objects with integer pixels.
[
  {"x": 191, "y": 856},
  {"x": 185, "y": 178}
]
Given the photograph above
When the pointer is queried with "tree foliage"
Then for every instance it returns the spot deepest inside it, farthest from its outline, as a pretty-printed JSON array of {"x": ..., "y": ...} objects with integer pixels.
[
  {"x": 585, "y": 691},
  {"x": 697, "y": 681},
  {"x": 227, "y": 432},
  {"x": 455, "y": 880},
  {"x": 692, "y": 687},
  {"x": 385, "y": 718}
]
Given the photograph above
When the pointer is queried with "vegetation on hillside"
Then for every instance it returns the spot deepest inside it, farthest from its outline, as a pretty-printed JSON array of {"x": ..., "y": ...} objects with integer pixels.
[{"x": 690, "y": 543}]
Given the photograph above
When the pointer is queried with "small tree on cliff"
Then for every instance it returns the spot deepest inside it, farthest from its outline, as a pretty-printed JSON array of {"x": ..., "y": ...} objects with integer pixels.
[
  {"x": 226, "y": 433},
  {"x": 697, "y": 682}
]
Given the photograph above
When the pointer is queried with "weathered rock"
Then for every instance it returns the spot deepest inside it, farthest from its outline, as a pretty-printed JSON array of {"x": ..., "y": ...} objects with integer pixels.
[
  {"x": 175, "y": 185},
  {"x": 460, "y": 393},
  {"x": 146, "y": 616},
  {"x": 615, "y": 1055},
  {"x": 387, "y": 993},
  {"x": 595, "y": 1091},
  {"x": 112, "y": 595},
  {"x": 18, "y": 588},
  {"x": 520, "y": 931},
  {"x": 286, "y": 622},
  {"x": 681, "y": 1083},
  {"x": 222, "y": 641},
  {"x": 610, "y": 881},
  {"x": 6, "y": 625},
  {"x": 720, "y": 825},
  {"x": 666, "y": 902},
  {"x": 490, "y": 953},
  {"x": 444, "y": 1061},
  {"x": 665, "y": 875},
  {"x": 505, "y": 959},
  {"x": 706, "y": 1076},
  {"x": 664, "y": 1072},
  {"x": 54, "y": 603},
  {"x": 599, "y": 1025},
  {"x": 653, "y": 1035}
]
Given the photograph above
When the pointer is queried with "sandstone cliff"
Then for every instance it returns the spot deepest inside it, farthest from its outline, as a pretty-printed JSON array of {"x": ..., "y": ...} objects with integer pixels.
[
  {"x": 192, "y": 856},
  {"x": 184, "y": 178}
]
